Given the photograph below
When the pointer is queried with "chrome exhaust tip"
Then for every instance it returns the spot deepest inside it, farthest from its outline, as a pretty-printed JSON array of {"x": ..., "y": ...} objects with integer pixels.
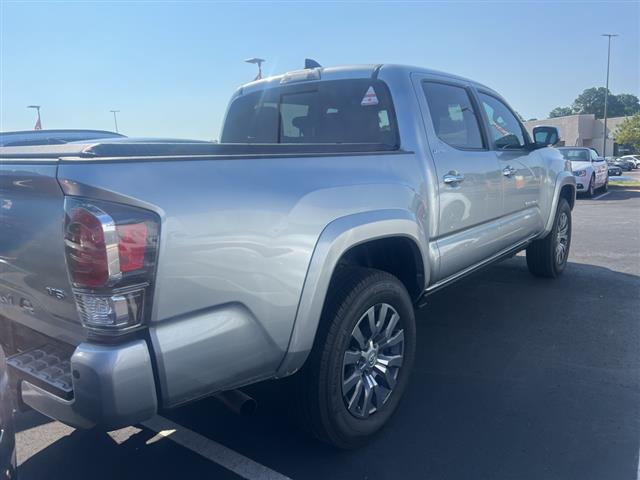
[{"x": 238, "y": 402}]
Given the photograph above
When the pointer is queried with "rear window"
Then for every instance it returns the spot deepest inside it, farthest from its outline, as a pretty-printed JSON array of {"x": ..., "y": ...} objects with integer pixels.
[{"x": 329, "y": 112}]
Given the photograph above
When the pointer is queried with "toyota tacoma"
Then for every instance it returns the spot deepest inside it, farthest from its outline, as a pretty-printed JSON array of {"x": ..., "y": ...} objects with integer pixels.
[{"x": 141, "y": 276}]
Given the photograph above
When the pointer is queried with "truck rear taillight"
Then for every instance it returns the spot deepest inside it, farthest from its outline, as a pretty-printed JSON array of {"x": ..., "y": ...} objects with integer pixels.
[
  {"x": 111, "y": 252},
  {"x": 132, "y": 242},
  {"x": 89, "y": 239}
]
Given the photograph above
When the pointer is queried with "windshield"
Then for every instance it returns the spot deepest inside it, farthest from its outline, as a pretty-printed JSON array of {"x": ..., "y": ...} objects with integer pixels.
[
  {"x": 339, "y": 111},
  {"x": 575, "y": 154}
]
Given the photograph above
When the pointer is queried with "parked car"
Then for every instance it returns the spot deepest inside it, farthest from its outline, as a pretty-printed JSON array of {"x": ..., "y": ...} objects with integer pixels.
[
  {"x": 52, "y": 137},
  {"x": 634, "y": 159},
  {"x": 7, "y": 432},
  {"x": 590, "y": 170},
  {"x": 625, "y": 165},
  {"x": 614, "y": 170},
  {"x": 152, "y": 275}
]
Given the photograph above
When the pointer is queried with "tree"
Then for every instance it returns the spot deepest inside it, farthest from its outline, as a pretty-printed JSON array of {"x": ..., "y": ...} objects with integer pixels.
[
  {"x": 560, "y": 112},
  {"x": 630, "y": 103},
  {"x": 592, "y": 101},
  {"x": 628, "y": 132}
]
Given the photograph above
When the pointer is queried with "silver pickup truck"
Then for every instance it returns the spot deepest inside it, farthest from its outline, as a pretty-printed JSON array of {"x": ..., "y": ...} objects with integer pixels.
[{"x": 140, "y": 276}]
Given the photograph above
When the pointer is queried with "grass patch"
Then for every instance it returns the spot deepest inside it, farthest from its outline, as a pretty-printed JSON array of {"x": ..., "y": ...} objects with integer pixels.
[{"x": 622, "y": 183}]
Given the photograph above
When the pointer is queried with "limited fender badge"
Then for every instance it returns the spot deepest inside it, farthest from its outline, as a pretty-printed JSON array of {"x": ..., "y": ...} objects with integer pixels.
[{"x": 370, "y": 98}]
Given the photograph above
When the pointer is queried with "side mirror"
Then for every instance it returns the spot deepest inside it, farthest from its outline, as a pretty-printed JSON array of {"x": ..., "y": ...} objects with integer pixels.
[{"x": 545, "y": 135}]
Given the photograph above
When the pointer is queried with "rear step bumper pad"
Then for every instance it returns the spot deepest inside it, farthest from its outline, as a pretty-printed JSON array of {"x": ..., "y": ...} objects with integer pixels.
[
  {"x": 45, "y": 367},
  {"x": 113, "y": 387}
]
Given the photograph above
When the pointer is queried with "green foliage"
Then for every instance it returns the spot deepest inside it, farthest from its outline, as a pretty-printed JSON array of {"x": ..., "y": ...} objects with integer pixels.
[
  {"x": 628, "y": 132},
  {"x": 560, "y": 112},
  {"x": 630, "y": 103},
  {"x": 592, "y": 101}
]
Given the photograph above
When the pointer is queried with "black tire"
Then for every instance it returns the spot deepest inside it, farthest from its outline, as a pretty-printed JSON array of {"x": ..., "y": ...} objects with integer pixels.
[
  {"x": 591, "y": 189},
  {"x": 542, "y": 255},
  {"x": 605, "y": 187},
  {"x": 322, "y": 409}
]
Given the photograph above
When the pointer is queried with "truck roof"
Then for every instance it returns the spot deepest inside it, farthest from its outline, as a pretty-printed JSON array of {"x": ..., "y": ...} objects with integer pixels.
[{"x": 355, "y": 71}]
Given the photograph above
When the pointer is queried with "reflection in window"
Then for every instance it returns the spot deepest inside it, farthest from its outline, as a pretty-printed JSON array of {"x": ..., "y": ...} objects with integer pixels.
[
  {"x": 504, "y": 127},
  {"x": 452, "y": 114},
  {"x": 336, "y": 111}
]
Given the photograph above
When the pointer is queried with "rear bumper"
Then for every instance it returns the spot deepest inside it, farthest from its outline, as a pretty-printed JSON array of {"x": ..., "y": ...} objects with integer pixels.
[{"x": 113, "y": 387}]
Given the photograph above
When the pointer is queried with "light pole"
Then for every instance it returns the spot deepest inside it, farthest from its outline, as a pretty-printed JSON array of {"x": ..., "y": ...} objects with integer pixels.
[
  {"x": 115, "y": 118},
  {"x": 259, "y": 62},
  {"x": 38, "y": 125},
  {"x": 606, "y": 93}
]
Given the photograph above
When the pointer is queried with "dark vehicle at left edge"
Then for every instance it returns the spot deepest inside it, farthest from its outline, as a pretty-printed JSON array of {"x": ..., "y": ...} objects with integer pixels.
[{"x": 7, "y": 432}]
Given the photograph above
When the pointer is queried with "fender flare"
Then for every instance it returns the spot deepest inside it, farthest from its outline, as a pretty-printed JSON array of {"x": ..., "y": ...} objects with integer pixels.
[
  {"x": 564, "y": 178},
  {"x": 337, "y": 238}
]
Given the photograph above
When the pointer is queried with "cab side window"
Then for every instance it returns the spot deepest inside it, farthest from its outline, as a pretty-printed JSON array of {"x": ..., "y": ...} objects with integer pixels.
[
  {"x": 504, "y": 128},
  {"x": 453, "y": 117}
]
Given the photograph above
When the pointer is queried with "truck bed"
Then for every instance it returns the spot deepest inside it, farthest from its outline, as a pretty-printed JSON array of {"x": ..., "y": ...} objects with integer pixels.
[{"x": 239, "y": 224}]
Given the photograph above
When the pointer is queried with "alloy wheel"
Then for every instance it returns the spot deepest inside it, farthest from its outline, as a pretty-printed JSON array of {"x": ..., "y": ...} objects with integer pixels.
[
  {"x": 372, "y": 361},
  {"x": 562, "y": 238}
]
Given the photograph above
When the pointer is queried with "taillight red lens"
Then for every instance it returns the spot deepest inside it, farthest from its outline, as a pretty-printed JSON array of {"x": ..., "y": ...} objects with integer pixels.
[
  {"x": 111, "y": 252},
  {"x": 86, "y": 249},
  {"x": 132, "y": 240}
]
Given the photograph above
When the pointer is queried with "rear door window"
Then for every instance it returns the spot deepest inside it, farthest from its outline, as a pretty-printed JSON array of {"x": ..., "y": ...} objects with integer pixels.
[
  {"x": 454, "y": 119},
  {"x": 329, "y": 112}
]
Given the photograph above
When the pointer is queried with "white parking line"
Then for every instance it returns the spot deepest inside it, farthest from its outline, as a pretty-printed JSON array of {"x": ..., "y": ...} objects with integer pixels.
[
  {"x": 600, "y": 196},
  {"x": 211, "y": 450}
]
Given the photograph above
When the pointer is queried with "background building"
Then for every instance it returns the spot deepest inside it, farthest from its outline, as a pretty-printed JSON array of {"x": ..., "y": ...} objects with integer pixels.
[{"x": 584, "y": 131}]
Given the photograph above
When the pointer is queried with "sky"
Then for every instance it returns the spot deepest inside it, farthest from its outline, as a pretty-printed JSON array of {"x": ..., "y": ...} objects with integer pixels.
[{"x": 170, "y": 67}]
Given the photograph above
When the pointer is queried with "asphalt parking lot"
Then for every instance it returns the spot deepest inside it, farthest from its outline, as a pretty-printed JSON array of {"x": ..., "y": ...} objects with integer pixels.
[{"x": 515, "y": 378}]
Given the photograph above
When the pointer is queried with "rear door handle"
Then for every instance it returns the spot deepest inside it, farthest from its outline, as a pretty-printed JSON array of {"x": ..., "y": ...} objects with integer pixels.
[
  {"x": 453, "y": 178},
  {"x": 508, "y": 171}
]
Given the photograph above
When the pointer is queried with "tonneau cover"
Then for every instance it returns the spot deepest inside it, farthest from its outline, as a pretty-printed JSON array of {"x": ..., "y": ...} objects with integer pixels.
[{"x": 178, "y": 149}]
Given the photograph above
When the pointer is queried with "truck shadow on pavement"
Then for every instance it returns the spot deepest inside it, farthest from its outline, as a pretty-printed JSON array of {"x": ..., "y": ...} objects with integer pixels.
[
  {"x": 515, "y": 377},
  {"x": 620, "y": 193},
  {"x": 93, "y": 454}
]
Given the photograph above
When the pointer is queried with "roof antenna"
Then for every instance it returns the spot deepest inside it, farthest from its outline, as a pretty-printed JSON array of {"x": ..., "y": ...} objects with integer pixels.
[{"x": 310, "y": 63}]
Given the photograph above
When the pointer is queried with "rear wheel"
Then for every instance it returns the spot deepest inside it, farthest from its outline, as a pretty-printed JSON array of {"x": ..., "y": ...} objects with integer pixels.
[
  {"x": 548, "y": 256},
  {"x": 360, "y": 363},
  {"x": 605, "y": 187}
]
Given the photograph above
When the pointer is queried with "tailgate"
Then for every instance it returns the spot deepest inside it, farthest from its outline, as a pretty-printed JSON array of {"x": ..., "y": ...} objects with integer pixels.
[{"x": 34, "y": 286}]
